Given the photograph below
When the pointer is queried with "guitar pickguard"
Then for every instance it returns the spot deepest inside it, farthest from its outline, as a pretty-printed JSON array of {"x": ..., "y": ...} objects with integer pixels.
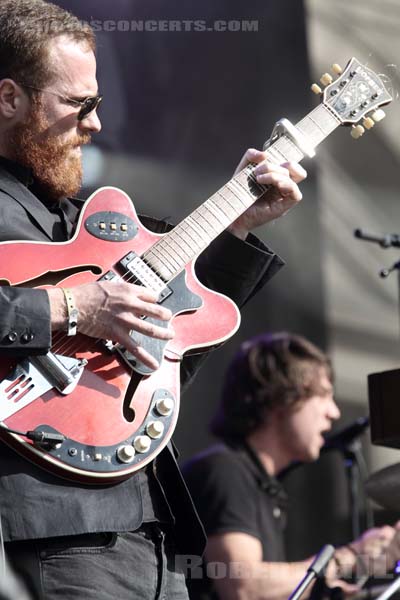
[{"x": 179, "y": 300}]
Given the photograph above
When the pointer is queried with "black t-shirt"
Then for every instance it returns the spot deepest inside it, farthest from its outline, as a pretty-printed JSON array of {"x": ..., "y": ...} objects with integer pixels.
[{"x": 232, "y": 492}]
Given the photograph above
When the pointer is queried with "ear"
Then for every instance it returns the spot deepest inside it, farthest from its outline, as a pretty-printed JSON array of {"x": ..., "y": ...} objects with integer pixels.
[
  {"x": 12, "y": 99},
  {"x": 280, "y": 413}
]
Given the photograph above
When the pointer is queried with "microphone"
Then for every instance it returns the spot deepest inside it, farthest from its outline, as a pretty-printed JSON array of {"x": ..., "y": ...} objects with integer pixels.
[
  {"x": 341, "y": 440},
  {"x": 385, "y": 241},
  {"x": 314, "y": 570},
  {"x": 344, "y": 437}
]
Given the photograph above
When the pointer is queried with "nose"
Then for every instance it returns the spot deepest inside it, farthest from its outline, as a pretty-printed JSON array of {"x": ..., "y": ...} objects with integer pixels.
[
  {"x": 333, "y": 410},
  {"x": 91, "y": 123}
]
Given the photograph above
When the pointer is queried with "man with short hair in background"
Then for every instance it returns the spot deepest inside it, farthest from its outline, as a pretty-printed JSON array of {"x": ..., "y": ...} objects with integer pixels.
[{"x": 277, "y": 404}]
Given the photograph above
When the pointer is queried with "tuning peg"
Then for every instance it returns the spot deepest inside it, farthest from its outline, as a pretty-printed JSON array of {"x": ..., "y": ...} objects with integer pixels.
[
  {"x": 368, "y": 123},
  {"x": 316, "y": 89},
  {"x": 337, "y": 69},
  {"x": 378, "y": 115},
  {"x": 357, "y": 131},
  {"x": 326, "y": 79}
]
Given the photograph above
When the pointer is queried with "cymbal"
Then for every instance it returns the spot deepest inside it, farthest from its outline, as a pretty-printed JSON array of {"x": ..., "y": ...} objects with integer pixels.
[{"x": 384, "y": 487}]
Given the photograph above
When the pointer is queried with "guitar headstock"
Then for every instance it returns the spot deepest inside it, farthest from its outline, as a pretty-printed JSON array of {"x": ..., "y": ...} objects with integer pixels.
[{"x": 355, "y": 97}]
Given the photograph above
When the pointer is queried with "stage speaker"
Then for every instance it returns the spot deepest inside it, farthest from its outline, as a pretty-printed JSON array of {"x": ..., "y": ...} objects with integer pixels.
[{"x": 384, "y": 406}]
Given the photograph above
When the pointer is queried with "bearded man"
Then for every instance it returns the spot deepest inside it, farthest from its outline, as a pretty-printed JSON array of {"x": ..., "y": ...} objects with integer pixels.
[{"x": 72, "y": 540}]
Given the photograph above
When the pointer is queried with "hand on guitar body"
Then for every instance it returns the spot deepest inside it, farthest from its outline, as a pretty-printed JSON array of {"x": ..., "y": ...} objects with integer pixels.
[
  {"x": 276, "y": 202},
  {"x": 110, "y": 310}
]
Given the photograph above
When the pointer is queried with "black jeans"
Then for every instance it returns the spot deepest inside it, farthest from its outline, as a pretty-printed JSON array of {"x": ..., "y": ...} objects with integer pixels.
[{"x": 136, "y": 565}]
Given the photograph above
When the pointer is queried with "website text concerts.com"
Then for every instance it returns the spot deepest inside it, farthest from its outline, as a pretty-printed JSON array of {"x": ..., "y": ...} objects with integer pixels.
[
  {"x": 162, "y": 25},
  {"x": 152, "y": 25}
]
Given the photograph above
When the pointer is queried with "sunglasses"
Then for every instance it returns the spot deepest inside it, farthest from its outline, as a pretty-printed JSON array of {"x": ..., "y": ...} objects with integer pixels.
[{"x": 86, "y": 105}]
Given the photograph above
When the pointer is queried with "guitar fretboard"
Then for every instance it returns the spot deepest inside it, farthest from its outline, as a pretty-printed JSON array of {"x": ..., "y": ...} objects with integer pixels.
[{"x": 186, "y": 241}]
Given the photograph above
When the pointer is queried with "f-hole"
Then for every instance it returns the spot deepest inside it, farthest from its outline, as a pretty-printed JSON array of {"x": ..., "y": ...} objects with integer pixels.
[
  {"x": 129, "y": 412},
  {"x": 55, "y": 277}
]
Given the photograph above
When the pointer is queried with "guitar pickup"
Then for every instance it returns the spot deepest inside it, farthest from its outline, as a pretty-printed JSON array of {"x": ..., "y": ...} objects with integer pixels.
[{"x": 144, "y": 275}]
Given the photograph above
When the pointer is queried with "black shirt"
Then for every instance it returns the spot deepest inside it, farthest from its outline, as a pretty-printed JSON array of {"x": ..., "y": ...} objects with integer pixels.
[
  {"x": 232, "y": 492},
  {"x": 64, "y": 212}
]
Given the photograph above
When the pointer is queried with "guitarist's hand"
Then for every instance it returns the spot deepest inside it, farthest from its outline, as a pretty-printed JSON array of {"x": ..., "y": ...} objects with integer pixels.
[
  {"x": 277, "y": 201},
  {"x": 110, "y": 310}
]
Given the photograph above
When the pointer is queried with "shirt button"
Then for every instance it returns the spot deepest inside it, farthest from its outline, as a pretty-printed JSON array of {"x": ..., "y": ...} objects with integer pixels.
[
  {"x": 12, "y": 336},
  {"x": 27, "y": 337},
  {"x": 276, "y": 512}
]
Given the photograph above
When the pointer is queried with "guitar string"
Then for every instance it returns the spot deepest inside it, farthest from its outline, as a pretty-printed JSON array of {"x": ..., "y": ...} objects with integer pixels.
[
  {"x": 68, "y": 343},
  {"x": 248, "y": 170},
  {"x": 63, "y": 344}
]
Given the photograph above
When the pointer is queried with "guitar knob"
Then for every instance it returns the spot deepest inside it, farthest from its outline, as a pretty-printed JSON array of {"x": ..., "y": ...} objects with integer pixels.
[
  {"x": 155, "y": 429},
  {"x": 316, "y": 89},
  {"x": 368, "y": 123},
  {"x": 165, "y": 406},
  {"x": 337, "y": 69},
  {"x": 126, "y": 453},
  {"x": 357, "y": 131},
  {"x": 378, "y": 115},
  {"x": 142, "y": 443},
  {"x": 326, "y": 79}
]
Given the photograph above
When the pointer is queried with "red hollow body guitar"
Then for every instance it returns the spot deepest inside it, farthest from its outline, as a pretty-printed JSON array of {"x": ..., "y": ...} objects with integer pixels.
[{"x": 99, "y": 414}]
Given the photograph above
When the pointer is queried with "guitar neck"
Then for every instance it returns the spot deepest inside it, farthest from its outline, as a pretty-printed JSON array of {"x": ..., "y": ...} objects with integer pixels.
[{"x": 188, "y": 239}]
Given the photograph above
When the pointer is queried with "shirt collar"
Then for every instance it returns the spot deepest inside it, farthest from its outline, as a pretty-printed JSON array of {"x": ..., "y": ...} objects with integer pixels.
[
  {"x": 22, "y": 173},
  {"x": 66, "y": 208},
  {"x": 268, "y": 483}
]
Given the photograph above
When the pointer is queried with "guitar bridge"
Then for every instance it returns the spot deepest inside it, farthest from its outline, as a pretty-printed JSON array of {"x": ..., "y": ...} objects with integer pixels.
[{"x": 35, "y": 376}]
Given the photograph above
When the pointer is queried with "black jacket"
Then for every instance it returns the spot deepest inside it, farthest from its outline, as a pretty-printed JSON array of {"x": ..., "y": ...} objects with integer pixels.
[{"x": 36, "y": 504}]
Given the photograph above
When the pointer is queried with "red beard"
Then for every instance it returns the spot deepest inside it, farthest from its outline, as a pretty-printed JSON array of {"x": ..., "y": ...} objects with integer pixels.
[{"x": 57, "y": 172}]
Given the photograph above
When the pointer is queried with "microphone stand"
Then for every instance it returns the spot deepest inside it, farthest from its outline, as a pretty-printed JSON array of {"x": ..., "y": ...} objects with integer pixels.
[
  {"x": 355, "y": 472},
  {"x": 386, "y": 272},
  {"x": 351, "y": 454},
  {"x": 314, "y": 570},
  {"x": 389, "y": 240},
  {"x": 393, "y": 587},
  {"x": 347, "y": 443}
]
